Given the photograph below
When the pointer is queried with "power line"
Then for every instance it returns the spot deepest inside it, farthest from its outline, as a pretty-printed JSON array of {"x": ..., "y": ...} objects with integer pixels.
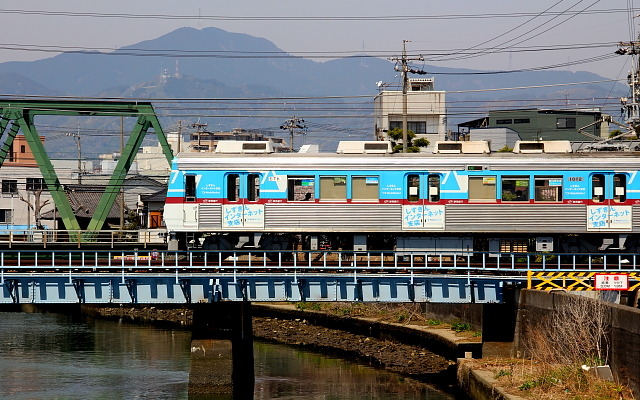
[{"x": 200, "y": 17}]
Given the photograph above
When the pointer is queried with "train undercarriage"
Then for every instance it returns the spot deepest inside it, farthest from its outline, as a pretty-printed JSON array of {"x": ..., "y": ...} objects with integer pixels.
[{"x": 406, "y": 244}]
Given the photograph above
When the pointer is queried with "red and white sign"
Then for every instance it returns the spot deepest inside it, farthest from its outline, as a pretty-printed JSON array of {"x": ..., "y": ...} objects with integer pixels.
[{"x": 611, "y": 282}]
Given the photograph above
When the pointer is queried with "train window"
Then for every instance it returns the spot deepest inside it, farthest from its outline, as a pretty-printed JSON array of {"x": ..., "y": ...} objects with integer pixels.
[
  {"x": 434, "y": 187},
  {"x": 333, "y": 188},
  {"x": 364, "y": 188},
  {"x": 253, "y": 187},
  {"x": 619, "y": 188},
  {"x": 515, "y": 188},
  {"x": 301, "y": 188},
  {"x": 233, "y": 187},
  {"x": 548, "y": 188},
  {"x": 190, "y": 188},
  {"x": 482, "y": 188},
  {"x": 413, "y": 188},
  {"x": 597, "y": 188}
]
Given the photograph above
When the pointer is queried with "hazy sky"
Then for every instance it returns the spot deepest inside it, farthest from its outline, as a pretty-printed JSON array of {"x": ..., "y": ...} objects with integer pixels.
[{"x": 514, "y": 33}]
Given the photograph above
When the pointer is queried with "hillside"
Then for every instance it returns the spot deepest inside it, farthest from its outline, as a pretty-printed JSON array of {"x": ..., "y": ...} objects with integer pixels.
[{"x": 192, "y": 63}]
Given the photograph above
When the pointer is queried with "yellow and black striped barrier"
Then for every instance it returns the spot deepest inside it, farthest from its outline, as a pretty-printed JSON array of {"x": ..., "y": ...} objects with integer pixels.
[{"x": 572, "y": 281}]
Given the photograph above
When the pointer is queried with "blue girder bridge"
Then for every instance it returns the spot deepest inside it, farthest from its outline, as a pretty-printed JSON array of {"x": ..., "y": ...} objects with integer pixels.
[{"x": 170, "y": 277}]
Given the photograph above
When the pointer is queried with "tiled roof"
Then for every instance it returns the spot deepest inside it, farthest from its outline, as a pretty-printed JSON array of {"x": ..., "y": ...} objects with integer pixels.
[{"x": 84, "y": 200}]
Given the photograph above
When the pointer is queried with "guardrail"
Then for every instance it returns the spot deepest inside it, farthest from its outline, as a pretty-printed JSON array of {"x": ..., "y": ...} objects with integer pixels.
[
  {"x": 318, "y": 260},
  {"x": 113, "y": 238}
]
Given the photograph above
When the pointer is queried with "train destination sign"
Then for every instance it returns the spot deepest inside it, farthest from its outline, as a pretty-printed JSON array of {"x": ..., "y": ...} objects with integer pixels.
[{"x": 611, "y": 282}]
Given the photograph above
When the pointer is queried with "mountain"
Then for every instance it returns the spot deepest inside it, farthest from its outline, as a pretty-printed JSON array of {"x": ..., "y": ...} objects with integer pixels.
[
  {"x": 88, "y": 73},
  {"x": 214, "y": 63}
]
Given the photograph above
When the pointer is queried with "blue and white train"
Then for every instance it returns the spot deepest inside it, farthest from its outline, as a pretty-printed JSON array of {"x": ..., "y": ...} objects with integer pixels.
[{"x": 540, "y": 197}]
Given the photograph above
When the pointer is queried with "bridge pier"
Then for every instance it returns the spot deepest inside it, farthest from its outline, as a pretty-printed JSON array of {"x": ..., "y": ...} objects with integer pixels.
[{"x": 222, "y": 351}]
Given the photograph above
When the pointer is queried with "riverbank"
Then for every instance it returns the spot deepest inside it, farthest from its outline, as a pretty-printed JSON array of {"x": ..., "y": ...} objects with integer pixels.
[{"x": 286, "y": 324}]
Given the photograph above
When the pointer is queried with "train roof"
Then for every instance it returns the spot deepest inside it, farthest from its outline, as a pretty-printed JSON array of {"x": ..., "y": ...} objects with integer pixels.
[{"x": 410, "y": 161}]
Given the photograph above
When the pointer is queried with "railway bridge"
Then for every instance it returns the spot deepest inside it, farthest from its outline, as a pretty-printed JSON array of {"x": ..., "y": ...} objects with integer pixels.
[
  {"x": 220, "y": 286},
  {"x": 175, "y": 277}
]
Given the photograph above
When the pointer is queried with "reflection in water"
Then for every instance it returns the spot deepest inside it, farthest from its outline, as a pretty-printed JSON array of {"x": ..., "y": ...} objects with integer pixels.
[
  {"x": 293, "y": 374},
  {"x": 50, "y": 356}
]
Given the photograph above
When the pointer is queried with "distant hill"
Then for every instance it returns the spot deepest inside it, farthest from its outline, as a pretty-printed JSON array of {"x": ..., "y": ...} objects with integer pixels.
[
  {"x": 85, "y": 74},
  {"x": 125, "y": 73}
]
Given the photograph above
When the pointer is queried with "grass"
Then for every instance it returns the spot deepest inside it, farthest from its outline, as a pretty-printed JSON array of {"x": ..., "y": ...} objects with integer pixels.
[
  {"x": 410, "y": 314},
  {"x": 543, "y": 381}
]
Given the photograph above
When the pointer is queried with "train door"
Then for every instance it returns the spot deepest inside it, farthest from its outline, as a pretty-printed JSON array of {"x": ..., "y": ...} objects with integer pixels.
[
  {"x": 190, "y": 205},
  {"x": 607, "y": 211},
  {"x": 242, "y": 207},
  {"x": 422, "y": 209}
]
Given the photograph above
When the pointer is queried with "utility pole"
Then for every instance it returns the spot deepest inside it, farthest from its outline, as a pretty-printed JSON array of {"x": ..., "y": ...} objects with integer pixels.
[
  {"x": 405, "y": 69},
  {"x": 199, "y": 130},
  {"x": 76, "y": 138},
  {"x": 291, "y": 125},
  {"x": 630, "y": 107}
]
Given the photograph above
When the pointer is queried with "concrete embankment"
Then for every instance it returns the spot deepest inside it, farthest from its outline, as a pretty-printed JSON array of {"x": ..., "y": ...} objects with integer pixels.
[{"x": 481, "y": 385}]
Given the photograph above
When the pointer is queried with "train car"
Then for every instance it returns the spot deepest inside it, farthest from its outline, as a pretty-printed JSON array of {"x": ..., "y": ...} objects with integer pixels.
[{"x": 540, "y": 197}]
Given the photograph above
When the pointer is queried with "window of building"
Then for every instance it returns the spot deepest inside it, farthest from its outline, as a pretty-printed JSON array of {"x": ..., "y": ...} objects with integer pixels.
[
  {"x": 365, "y": 188},
  {"x": 5, "y": 216},
  {"x": 200, "y": 147},
  {"x": 482, "y": 188},
  {"x": 548, "y": 188},
  {"x": 565, "y": 123},
  {"x": 233, "y": 187},
  {"x": 23, "y": 148},
  {"x": 521, "y": 120},
  {"x": 9, "y": 187},
  {"x": 504, "y": 121},
  {"x": 434, "y": 187},
  {"x": 333, "y": 188},
  {"x": 619, "y": 188},
  {"x": 301, "y": 188},
  {"x": 418, "y": 127},
  {"x": 413, "y": 188},
  {"x": 34, "y": 184},
  {"x": 597, "y": 188},
  {"x": 253, "y": 187},
  {"x": 515, "y": 188},
  {"x": 190, "y": 188}
]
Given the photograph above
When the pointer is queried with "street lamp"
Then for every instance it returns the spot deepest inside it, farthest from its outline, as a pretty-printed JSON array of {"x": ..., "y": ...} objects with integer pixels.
[{"x": 76, "y": 138}]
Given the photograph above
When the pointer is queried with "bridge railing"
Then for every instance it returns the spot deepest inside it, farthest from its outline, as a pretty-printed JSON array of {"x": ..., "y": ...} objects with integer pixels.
[
  {"x": 315, "y": 261},
  {"x": 110, "y": 238}
]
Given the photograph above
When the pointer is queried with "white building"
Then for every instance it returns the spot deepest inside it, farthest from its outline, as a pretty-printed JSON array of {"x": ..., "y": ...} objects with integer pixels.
[
  {"x": 426, "y": 111},
  {"x": 23, "y": 190}
]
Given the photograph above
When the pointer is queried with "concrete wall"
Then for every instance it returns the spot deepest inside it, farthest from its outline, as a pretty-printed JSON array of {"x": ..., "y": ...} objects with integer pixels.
[{"x": 624, "y": 337}]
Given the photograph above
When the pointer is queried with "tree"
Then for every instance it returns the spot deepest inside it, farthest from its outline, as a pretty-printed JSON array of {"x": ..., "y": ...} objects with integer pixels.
[
  {"x": 35, "y": 206},
  {"x": 414, "y": 144},
  {"x": 615, "y": 133}
]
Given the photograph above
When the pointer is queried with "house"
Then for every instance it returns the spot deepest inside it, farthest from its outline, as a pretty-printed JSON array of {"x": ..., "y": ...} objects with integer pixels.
[
  {"x": 542, "y": 124},
  {"x": 426, "y": 111},
  {"x": 23, "y": 194}
]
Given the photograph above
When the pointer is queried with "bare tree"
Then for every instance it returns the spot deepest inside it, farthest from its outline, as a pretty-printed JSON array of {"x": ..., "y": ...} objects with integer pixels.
[
  {"x": 36, "y": 205},
  {"x": 575, "y": 332}
]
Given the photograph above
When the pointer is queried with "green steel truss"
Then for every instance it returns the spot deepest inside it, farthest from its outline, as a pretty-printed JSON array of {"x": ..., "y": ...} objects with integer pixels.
[{"x": 20, "y": 114}]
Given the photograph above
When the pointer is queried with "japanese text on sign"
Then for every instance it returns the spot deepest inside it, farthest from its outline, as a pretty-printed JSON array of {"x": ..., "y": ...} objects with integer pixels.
[{"x": 611, "y": 282}]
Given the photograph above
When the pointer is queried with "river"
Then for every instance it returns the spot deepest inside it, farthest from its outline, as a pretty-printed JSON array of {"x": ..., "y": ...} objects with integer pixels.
[{"x": 54, "y": 356}]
